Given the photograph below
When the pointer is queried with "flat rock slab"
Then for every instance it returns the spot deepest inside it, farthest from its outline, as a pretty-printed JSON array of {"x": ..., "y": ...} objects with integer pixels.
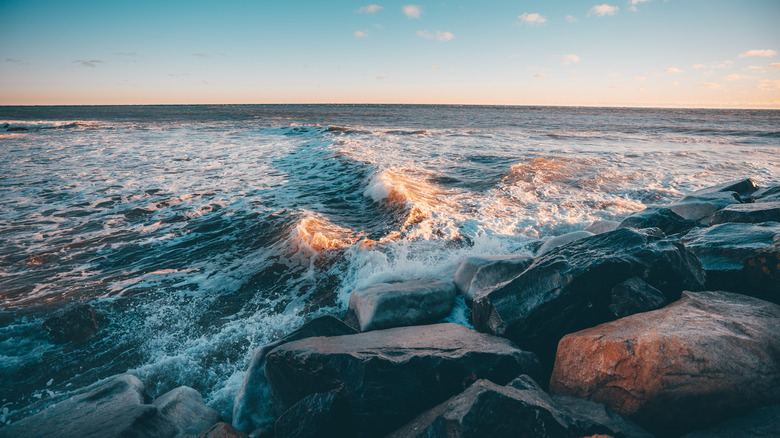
[
  {"x": 415, "y": 302},
  {"x": 389, "y": 376},
  {"x": 699, "y": 360},
  {"x": 183, "y": 407},
  {"x": 748, "y": 213},
  {"x": 561, "y": 240},
  {"x": 477, "y": 273},
  {"x": 570, "y": 288},
  {"x": 659, "y": 217},
  {"x": 741, "y": 187}
]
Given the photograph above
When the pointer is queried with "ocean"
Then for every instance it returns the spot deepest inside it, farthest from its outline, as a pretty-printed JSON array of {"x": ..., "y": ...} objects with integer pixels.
[{"x": 199, "y": 233}]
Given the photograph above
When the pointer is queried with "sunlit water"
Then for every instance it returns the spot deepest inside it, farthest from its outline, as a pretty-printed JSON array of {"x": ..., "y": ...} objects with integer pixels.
[{"x": 199, "y": 233}]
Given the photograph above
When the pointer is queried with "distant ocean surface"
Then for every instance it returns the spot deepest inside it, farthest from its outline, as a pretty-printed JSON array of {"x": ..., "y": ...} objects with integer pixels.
[{"x": 200, "y": 233}]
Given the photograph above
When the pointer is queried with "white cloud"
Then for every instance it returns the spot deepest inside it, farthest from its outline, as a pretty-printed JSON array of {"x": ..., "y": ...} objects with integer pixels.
[
  {"x": 444, "y": 36},
  {"x": 532, "y": 18},
  {"x": 709, "y": 85},
  {"x": 763, "y": 53},
  {"x": 438, "y": 36},
  {"x": 361, "y": 34},
  {"x": 379, "y": 78},
  {"x": 602, "y": 10},
  {"x": 633, "y": 4},
  {"x": 698, "y": 66},
  {"x": 737, "y": 77},
  {"x": 541, "y": 75},
  {"x": 774, "y": 65},
  {"x": 568, "y": 59},
  {"x": 640, "y": 78},
  {"x": 615, "y": 75},
  {"x": 370, "y": 9},
  {"x": 617, "y": 87},
  {"x": 434, "y": 67},
  {"x": 91, "y": 63},
  {"x": 412, "y": 11},
  {"x": 673, "y": 70},
  {"x": 571, "y": 19},
  {"x": 769, "y": 85}
]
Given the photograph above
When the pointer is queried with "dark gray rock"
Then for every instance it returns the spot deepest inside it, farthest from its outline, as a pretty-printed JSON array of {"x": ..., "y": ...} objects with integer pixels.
[
  {"x": 761, "y": 423},
  {"x": 477, "y": 273},
  {"x": 255, "y": 405},
  {"x": 635, "y": 296},
  {"x": 570, "y": 288},
  {"x": 414, "y": 302},
  {"x": 658, "y": 217},
  {"x": 561, "y": 240},
  {"x": 766, "y": 194},
  {"x": 589, "y": 415},
  {"x": 183, "y": 407},
  {"x": 748, "y": 213},
  {"x": 112, "y": 408},
  {"x": 602, "y": 226},
  {"x": 388, "y": 376},
  {"x": 742, "y": 188},
  {"x": 317, "y": 415},
  {"x": 222, "y": 430},
  {"x": 17, "y": 129},
  {"x": 701, "y": 208},
  {"x": 74, "y": 323},
  {"x": 738, "y": 257}
]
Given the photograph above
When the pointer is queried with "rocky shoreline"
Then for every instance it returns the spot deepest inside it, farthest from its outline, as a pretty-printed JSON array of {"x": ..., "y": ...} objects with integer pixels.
[{"x": 664, "y": 324}]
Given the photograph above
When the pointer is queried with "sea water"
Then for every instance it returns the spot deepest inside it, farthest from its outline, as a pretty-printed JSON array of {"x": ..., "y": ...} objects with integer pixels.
[{"x": 199, "y": 233}]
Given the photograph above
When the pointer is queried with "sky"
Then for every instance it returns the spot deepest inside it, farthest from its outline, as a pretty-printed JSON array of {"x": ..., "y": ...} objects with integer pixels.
[{"x": 668, "y": 53}]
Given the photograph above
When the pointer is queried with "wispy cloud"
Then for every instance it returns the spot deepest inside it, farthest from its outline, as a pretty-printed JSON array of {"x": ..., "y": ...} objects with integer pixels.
[
  {"x": 640, "y": 79},
  {"x": 568, "y": 59},
  {"x": 763, "y": 53},
  {"x": 724, "y": 64},
  {"x": 127, "y": 54},
  {"x": 541, "y": 75},
  {"x": 709, "y": 85},
  {"x": 633, "y": 3},
  {"x": 370, "y": 9},
  {"x": 361, "y": 34},
  {"x": 434, "y": 67},
  {"x": 438, "y": 36},
  {"x": 774, "y": 65},
  {"x": 532, "y": 18},
  {"x": 379, "y": 78},
  {"x": 617, "y": 87},
  {"x": 572, "y": 19},
  {"x": 602, "y": 10},
  {"x": 15, "y": 61},
  {"x": 737, "y": 77},
  {"x": 412, "y": 11},
  {"x": 673, "y": 70},
  {"x": 769, "y": 85},
  {"x": 91, "y": 63}
]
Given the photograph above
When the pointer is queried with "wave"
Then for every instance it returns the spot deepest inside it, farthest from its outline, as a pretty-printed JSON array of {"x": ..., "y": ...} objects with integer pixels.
[{"x": 38, "y": 125}]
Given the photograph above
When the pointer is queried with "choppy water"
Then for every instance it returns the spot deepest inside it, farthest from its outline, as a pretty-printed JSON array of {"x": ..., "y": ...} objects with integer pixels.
[{"x": 202, "y": 232}]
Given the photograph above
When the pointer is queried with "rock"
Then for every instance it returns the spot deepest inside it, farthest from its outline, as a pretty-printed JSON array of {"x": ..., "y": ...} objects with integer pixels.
[
  {"x": 317, "y": 415},
  {"x": 658, "y": 217},
  {"x": 635, "y": 296},
  {"x": 388, "y": 376},
  {"x": 738, "y": 257},
  {"x": 770, "y": 194},
  {"x": 748, "y": 213},
  {"x": 696, "y": 209},
  {"x": 761, "y": 423},
  {"x": 253, "y": 407},
  {"x": 414, "y": 302},
  {"x": 17, "y": 129},
  {"x": 570, "y": 288},
  {"x": 108, "y": 409},
  {"x": 601, "y": 227},
  {"x": 222, "y": 430},
  {"x": 477, "y": 273},
  {"x": 742, "y": 188},
  {"x": 486, "y": 409},
  {"x": 183, "y": 407},
  {"x": 589, "y": 414},
  {"x": 74, "y": 323},
  {"x": 562, "y": 240},
  {"x": 699, "y": 360}
]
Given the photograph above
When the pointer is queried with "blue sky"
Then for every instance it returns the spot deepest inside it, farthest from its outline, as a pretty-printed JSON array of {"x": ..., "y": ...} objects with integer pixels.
[{"x": 676, "y": 53}]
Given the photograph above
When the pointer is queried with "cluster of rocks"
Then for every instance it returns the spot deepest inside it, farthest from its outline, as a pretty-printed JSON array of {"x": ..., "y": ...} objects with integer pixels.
[{"x": 663, "y": 324}]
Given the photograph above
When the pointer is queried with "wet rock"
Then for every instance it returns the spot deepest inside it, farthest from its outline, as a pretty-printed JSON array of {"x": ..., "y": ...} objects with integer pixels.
[
  {"x": 74, "y": 323},
  {"x": 635, "y": 296},
  {"x": 561, "y": 240},
  {"x": 699, "y": 360},
  {"x": 761, "y": 423},
  {"x": 477, "y": 273},
  {"x": 222, "y": 430},
  {"x": 748, "y": 213},
  {"x": 742, "y": 188},
  {"x": 601, "y": 227},
  {"x": 111, "y": 408},
  {"x": 658, "y": 217},
  {"x": 388, "y": 376},
  {"x": 254, "y": 405},
  {"x": 415, "y": 302},
  {"x": 486, "y": 409},
  {"x": 17, "y": 129},
  {"x": 183, "y": 407},
  {"x": 317, "y": 415},
  {"x": 770, "y": 194},
  {"x": 570, "y": 288},
  {"x": 588, "y": 415},
  {"x": 738, "y": 257}
]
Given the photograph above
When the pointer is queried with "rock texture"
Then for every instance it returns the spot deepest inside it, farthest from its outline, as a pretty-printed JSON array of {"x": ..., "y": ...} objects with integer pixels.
[
  {"x": 659, "y": 217},
  {"x": 74, "y": 323},
  {"x": 570, "y": 288},
  {"x": 222, "y": 430},
  {"x": 183, "y": 407},
  {"x": 743, "y": 188},
  {"x": 478, "y": 273},
  {"x": 704, "y": 358},
  {"x": 761, "y": 423},
  {"x": 388, "y": 376},
  {"x": 748, "y": 213},
  {"x": 635, "y": 296},
  {"x": 317, "y": 415},
  {"x": 414, "y": 302},
  {"x": 602, "y": 226},
  {"x": 253, "y": 407},
  {"x": 561, "y": 240}
]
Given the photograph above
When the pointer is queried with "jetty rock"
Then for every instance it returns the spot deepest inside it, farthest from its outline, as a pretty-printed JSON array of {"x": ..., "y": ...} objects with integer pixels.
[
  {"x": 183, "y": 407},
  {"x": 520, "y": 409},
  {"x": 561, "y": 240},
  {"x": 255, "y": 405},
  {"x": 761, "y": 423},
  {"x": 223, "y": 430},
  {"x": 742, "y": 188},
  {"x": 697, "y": 361},
  {"x": 476, "y": 273},
  {"x": 414, "y": 302},
  {"x": 602, "y": 226},
  {"x": 389, "y": 376},
  {"x": 768, "y": 194},
  {"x": 749, "y": 213},
  {"x": 570, "y": 288},
  {"x": 662, "y": 218},
  {"x": 317, "y": 415}
]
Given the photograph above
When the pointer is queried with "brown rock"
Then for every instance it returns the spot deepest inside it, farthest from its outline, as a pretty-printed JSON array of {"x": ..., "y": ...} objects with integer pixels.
[
  {"x": 223, "y": 430},
  {"x": 704, "y": 358}
]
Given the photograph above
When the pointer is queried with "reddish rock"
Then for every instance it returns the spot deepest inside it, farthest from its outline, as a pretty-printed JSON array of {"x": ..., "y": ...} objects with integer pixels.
[
  {"x": 223, "y": 430},
  {"x": 704, "y": 358}
]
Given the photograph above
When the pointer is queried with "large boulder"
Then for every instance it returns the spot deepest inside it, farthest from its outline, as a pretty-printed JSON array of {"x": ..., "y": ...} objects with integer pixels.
[
  {"x": 316, "y": 415},
  {"x": 635, "y": 296},
  {"x": 761, "y": 423},
  {"x": 748, "y": 213},
  {"x": 112, "y": 408},
  {"x": 659, "y": 217},
  {"x": 742, "y": 188},
  {"x": 254, "y": 405},
  {"x": 414, "y": 302},
  {"x": 699, "y": 360},
  {"x": 222, "y": 430},
  {"x": 183, "y": 407},
  {"x": 769, "y": 194},
  {"x": 561, "y": 240},
  {"x": 477, "y": 273},
  {"x": 701, "y": 208},
  {"x": 738, "y": 257},
  {"x": 388, "y": 376},
  {"x": 602, "y": 226},
  {"x": 486, "y": 409},
  {"x": 570, "y": 288},
  {"x": 76, "y": 322}
]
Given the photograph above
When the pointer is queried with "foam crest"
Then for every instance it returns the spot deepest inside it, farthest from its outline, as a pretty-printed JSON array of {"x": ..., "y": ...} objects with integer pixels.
[{"x": 316, "y": 234}]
